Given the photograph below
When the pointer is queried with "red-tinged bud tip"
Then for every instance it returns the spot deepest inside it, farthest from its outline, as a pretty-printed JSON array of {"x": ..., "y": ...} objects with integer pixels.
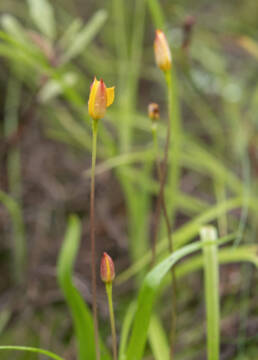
[{"x": 107, "y": 269}]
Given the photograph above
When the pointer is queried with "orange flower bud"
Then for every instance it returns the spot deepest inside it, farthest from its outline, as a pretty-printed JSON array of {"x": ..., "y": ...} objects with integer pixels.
[
  {"x": 107, "y": 269},
  {"x": 162, "y": 51},
  {"x": 153, "y": 111},
  {"x": 100, "y": 98}
]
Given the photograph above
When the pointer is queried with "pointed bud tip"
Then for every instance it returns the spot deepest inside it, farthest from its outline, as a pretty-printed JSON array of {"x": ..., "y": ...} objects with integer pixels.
[{"x": 107, "y": 268}]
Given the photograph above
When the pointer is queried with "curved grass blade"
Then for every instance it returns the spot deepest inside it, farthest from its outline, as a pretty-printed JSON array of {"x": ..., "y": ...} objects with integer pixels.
[
  {"x": 33, "y": 350},
  {"x": 229, "y": 255},
  {"x": 82, "y": 319},
  {"x": 184, "y": 234},
  {"x": 84, "y": 37},
  {"x": 83, "y": 324},
  {"x": 42, "y": 13},
  {"x": 146, "y": 299}
]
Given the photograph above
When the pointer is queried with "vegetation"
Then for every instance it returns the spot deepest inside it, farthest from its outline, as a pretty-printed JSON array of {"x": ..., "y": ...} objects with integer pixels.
[{"x": 167, "y": 195}]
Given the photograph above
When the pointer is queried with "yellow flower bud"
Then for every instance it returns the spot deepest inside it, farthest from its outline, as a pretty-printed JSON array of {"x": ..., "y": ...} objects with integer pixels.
[
  {"x": 100, "y": 98},
  {"x": 107, "y": 269},
  {"x": 153, "y": 111},
  {"x": 162, "y": 51}
]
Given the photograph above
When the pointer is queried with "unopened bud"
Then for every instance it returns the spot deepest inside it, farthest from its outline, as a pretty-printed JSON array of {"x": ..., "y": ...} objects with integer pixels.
[
  {"x": 162, "y": 51},
  {"x": 100, "y": 98},
  {"x": 153, "y": 111},
  {"x": 107, "y": 269}
]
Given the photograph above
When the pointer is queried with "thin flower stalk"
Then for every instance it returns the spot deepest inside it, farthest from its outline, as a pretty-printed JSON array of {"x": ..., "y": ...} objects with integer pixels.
[
  {"x": 107, "y": 274},
  {"x": 100, "y": 98},
  {"x": 164, "y": 62},
  {"x": 112, "y": 319},
  {"x": 170, "y": 239},
  {"x": 92, "y": 238}
]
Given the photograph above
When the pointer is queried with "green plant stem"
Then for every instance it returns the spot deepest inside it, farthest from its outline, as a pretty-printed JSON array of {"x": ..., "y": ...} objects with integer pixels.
[
  {"x": 171, "y": 120},
  {"x": 112, "y": 319},
  {"x": 211, "y": 281},
  {"x": 31, "y": 349},
  {"x": 161, "y": 204},
  {"x": 92, "y": 237}
]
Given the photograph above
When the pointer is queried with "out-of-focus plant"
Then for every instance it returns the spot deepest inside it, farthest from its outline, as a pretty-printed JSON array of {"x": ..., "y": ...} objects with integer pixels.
[{"x": 43, "y": 60}]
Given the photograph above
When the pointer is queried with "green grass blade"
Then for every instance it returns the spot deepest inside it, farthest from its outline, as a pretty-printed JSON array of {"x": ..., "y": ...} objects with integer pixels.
[
  {"x": 82, "y": 319},
  {"x": 126, "y": 330},
  {"x": 42, "y": 13},
  {"x": 31, "y": 349},
  {"x": 185, "y": 234},
  {"x": 156, "y": 13},
  {"x": 146, "y": 299},
  {"x": 227, "y": 255},
  {"x": 211, "y": 282},
  {"x": 158, "y": 339},
  {"x": 84, "y": 37}
]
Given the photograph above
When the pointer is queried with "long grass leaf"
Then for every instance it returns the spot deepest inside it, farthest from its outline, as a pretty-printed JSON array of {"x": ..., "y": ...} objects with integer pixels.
[
  {"x": 82, "y": 319},
  {"x": 126, "y": 327},
  {"x": 31, "y": 349},
  {"x": 158, "y": 339},
  {"x": 84, "y": 37},
  {"x": 42, "y": 13},
  {"x": 146, "y": 299}
]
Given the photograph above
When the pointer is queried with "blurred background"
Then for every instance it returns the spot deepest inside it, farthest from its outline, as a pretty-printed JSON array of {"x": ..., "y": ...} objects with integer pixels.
[{"x": 49, "y": 53}]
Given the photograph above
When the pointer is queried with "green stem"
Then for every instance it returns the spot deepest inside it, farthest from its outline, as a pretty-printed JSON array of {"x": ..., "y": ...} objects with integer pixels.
[
  {"x": 174, "y": 149},
  {"x": 31, "y": 349},
  {"x": 211, "y": 280},
  {"x": 171, "y": 127},
  {"x": 112, "y": 319},
  {"x": 92, "y": 237}
]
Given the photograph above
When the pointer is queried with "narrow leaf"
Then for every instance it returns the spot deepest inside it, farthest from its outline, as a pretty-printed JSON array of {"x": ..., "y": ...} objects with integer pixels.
[
  {"x": 146, "y": 299},
  {"x": 158, "y": 339},
  {"x": 31, "y": 349},
  {"x": 84, "y": 37},
  {"x": 81, "y": 315},
  {"x": 42, "y": 13}
]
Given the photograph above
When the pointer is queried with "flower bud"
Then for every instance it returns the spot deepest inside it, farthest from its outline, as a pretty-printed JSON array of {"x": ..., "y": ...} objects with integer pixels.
[
  {"x": 100, "y": 98},
  {"x": 162, "y": 51},
  {"x": 153, "y": 111},
  {"x": 107, "y": 269}
]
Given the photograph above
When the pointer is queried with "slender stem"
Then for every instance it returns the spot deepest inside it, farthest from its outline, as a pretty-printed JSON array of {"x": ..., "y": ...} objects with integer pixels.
[
  {"x": 162, "y": 171},
  {"x": 163, "y": 204},
  {"x": 170, "y": 239},
  {"x": 112, "y": 319},
  {"x": 92, "y": 238},
  {"x": 174, "y": 148},
  {"x": 211, "y": 279},
  {"x": 170, "y": 247}
]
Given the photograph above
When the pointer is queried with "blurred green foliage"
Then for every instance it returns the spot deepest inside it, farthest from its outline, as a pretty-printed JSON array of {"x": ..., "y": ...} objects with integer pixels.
[{"x": 49, "y": 53}]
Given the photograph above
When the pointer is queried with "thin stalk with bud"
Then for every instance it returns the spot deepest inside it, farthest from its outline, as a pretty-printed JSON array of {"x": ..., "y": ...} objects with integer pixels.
[
  {"x": 100, "y": 98},
  {"x": 163, "y": 59},
  {"x": 107, "y": 273}
]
